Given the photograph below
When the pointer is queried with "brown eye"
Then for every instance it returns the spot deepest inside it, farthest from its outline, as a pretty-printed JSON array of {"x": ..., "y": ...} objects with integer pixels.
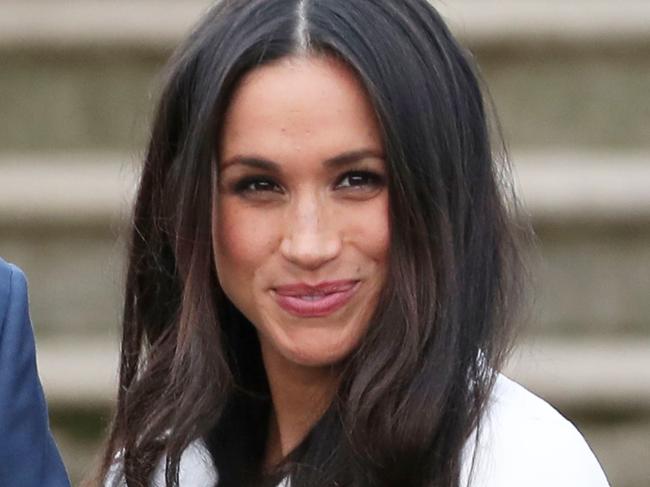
[
  {"x": 360, "y": 179},
  {"x": 256, "y": 185}
]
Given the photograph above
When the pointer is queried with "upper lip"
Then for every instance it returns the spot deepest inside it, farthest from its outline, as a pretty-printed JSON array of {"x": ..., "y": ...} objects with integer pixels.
[{"x": 325, "y": 287}]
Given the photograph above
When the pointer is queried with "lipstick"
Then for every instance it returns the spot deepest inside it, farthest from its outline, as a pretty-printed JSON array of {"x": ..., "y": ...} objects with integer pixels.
[{"x": 306, "y": 300}]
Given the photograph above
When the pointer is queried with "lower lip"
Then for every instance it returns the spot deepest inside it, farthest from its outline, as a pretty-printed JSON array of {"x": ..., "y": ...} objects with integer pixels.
[{"x": 319, "y": 307}]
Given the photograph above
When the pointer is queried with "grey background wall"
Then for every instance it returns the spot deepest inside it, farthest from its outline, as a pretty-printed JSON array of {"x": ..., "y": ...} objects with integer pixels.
[{"x": 571, "y": 85}]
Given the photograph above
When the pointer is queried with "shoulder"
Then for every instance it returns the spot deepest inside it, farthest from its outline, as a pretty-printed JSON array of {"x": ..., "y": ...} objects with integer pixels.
[
  {"x": 15, "y": 329},
  {"x": 13, "y": 291},
  {"x": 9, "y": 273},
  {"x": 522, "y": 440},
  {"x": 196, "y": 468},
  {"x": 5, "y": 269}
]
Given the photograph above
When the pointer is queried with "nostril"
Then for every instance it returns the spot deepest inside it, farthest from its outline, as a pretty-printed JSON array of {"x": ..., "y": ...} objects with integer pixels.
[{"x": 310, "y": 250}]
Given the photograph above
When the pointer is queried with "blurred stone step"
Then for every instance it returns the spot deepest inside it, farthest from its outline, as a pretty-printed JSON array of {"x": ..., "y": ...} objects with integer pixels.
[
  {"x": 84, "y": 75},
  {"x": 63, "y": 190},
  {"x": 124, "y": 24},
  {"x": 586, "y": 375},
  {"x": 570, "y": 187}
]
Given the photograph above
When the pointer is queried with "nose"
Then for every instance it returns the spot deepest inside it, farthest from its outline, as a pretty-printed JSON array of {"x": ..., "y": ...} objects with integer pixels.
[{"x": 311, "y": 236}]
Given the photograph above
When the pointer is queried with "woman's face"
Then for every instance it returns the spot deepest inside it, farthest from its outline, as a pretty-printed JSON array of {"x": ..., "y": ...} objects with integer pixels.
[{"x": 301, "y": 229}]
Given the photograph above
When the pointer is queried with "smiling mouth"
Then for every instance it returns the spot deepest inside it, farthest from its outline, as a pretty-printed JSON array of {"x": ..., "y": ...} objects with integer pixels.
[{"x": 315, "y": 304}]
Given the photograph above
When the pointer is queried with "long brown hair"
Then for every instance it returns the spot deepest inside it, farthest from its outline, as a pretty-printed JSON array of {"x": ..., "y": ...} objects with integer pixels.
[{"x": 416, "y": 387}]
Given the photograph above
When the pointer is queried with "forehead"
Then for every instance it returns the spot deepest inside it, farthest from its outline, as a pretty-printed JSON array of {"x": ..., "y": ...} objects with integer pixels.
[{"x": 314, "y": 106}]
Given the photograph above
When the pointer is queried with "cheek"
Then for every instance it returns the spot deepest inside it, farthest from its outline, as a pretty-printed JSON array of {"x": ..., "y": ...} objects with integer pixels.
[
  {"x": 372, "y": 231},
  {"x": 242, "y": 240}
]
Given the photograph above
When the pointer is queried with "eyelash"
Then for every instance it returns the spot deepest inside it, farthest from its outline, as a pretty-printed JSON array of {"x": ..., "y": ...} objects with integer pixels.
[{"x": 243, "y": 186}]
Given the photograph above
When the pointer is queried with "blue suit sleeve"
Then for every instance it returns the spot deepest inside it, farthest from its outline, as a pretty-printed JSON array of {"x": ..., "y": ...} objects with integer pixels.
[{"x": 28, "y": 454}]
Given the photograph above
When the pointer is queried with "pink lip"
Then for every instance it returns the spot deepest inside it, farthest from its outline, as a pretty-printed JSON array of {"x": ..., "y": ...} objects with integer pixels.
[{"x": 333, "y": 295}]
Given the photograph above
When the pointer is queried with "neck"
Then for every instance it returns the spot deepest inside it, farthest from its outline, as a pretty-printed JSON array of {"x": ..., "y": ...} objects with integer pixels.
[{"x": 300, "y": 396}]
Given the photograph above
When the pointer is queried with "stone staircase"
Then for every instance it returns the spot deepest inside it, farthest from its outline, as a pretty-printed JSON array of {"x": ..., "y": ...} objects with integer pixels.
[{"x": 570, "y": 82}]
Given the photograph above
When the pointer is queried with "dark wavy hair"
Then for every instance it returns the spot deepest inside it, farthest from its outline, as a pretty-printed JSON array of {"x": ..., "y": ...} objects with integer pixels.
[{"x": 414, "y": 391}]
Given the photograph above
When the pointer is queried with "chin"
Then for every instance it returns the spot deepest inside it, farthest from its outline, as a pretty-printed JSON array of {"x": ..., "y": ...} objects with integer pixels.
[
  {"x": 318, "y": 351},
  {"x": 310, "y": 358}
]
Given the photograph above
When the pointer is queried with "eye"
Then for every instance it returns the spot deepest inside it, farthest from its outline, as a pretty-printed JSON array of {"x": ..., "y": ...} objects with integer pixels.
[
  {"x": 256, "y": 184},
  {"x": 360, "y": 179}
]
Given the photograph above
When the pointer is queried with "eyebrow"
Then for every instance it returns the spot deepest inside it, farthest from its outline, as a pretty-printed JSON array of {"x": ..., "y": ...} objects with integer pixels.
[{"x": 342, "y": 160}]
